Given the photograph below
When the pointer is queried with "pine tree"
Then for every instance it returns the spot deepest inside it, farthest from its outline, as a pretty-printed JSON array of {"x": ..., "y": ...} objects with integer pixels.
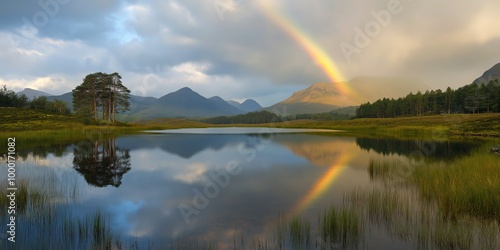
[{"x": 101, "y": 92}]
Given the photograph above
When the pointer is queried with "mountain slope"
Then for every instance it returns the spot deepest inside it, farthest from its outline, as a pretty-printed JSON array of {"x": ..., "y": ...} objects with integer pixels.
[
  {"x": 324, "y": 97},
  {"x": 184, "y": 103},
  {"x": 249, "y": 105},
  {"x": 489, "y": 75},
  {"x": 317, "y": 98},
  {"x": 32, "y": 93},
  {"x": 66, "y": 98}
]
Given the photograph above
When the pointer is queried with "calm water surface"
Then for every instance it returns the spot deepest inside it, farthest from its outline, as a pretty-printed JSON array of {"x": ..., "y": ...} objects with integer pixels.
[{"x": 213, "y": 184}]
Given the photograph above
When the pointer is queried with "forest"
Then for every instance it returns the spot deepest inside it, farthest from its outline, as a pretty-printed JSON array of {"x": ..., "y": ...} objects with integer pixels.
[
  {"x": 473, "y": 98},
  {"x": 9, "y": 98}
]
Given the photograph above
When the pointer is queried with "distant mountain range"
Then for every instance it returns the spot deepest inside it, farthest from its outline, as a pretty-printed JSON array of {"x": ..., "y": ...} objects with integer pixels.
[
  {"x": 181, "y": 103},
  {"x": 318, "y": 98}
]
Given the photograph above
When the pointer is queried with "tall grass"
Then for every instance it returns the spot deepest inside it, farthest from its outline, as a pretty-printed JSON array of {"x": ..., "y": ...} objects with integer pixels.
[
  {"x": 300, "y": 232},
  {"x": 452, "y": 205},
  {"x": 469, "y": 186},
  {"x": 422, "y": 224},
  {"x": 44, "y": 222},
  {"x": 342, "y": 227}
]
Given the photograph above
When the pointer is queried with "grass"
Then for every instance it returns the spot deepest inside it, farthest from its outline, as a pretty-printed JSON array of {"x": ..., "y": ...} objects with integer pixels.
[
  {"x": 452, "y": 205},
  {"x": 42, "y": 219},
  {"x": 448, "y": 125},
  {"x": 343, "y": 228},
  {"x": 422, "y": 224},
  {"x": 468, "y": 186},
  {"x": 300, "y": 232},
  {"x": 22, "y": 120}
]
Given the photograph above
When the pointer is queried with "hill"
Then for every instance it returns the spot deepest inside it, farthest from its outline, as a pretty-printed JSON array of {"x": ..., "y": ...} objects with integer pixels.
[
  {"x": 32, "y": 93},
  {"x": 19, "y": 119}
]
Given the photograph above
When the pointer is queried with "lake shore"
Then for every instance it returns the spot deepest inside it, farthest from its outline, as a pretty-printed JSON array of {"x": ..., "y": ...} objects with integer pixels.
[{"x": 34, "y": 124}]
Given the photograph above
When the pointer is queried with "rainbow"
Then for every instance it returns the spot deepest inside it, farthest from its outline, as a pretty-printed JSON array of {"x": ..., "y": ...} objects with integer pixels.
[
  {"x": 313, "y": 49},
  {"x": 322, "y": 184}
]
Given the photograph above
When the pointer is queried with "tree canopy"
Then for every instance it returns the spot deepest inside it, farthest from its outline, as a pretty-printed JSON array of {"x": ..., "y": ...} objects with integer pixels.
[
  {"x": 103, "y": 94},
  {"x": 472, "y": 98},
  {"x": 9, "y": 98}
]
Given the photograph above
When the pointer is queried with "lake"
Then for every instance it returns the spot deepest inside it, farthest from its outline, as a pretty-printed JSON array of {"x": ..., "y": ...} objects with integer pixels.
[{"x": 227, "y": 186}]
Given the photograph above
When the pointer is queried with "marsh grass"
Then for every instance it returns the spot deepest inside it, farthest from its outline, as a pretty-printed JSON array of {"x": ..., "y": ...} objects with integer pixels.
[
  {"x": 442, "y": 205},
  {"x": 341, "y": 227},
  {"x": 422, "y": 224},
  {"x": 300, "y": 232},
  {"x": 43, "y": 220},
  {"x": 469, "y": 186}
]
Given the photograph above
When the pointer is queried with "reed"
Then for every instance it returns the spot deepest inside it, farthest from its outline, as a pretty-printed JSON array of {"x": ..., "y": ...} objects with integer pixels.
[
  {"x": 468, "y": 186},
  {"x": 300, "y": 232},
  {"x": 341, "y": 227}
]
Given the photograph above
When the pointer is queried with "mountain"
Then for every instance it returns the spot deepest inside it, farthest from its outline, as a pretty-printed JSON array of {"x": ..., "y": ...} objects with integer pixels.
[
  {"x": 66, "y": 98},
  {"x": 32, "y": 93},
  {"x": 184, "y": 103},
  {"x": 317, "y": 98},
  {"x": 249, "y": 105},
  {"x": 489, "y": 75},
  {"x": 234, "y": 103},
  {"x": 324, "y": 97}
]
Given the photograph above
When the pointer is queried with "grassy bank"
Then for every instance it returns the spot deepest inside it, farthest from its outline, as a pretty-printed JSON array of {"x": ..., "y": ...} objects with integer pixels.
[
  {"x": 448, "y": 125},
  {"x": 18, "y": 121}
]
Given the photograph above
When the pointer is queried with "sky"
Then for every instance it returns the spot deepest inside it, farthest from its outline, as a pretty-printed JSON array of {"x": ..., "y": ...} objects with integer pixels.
[{"x": 238, "y": 49}]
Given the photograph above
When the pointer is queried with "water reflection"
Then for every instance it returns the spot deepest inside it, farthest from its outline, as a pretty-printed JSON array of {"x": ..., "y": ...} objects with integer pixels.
[
  {"x": 183, "y": 145},
  {"x": 101, "y": 163},
  {"x": 433, "y": 149},
  {"x": 288, "y": 174}
]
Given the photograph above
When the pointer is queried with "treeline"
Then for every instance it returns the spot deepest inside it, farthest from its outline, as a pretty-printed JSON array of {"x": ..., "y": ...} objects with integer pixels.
[
  {"x": 472, "y": 98},
  {"x": 248, "y": 118},
  {"x": 327, "y": 116},
  {"x": 269, "y": 117},
  {"x": 9, "y": 98}
]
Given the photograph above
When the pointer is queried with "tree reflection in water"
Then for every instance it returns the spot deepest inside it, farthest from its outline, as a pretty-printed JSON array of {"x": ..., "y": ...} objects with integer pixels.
[{"x": 101, "y": 163}]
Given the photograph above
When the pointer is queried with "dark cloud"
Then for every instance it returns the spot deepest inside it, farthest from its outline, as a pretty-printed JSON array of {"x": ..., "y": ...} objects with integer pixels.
[{"x": 210, "y": 47}]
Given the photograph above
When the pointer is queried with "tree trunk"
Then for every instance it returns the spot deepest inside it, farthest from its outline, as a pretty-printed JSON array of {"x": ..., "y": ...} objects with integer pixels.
[{"x": 95, "y": 110}]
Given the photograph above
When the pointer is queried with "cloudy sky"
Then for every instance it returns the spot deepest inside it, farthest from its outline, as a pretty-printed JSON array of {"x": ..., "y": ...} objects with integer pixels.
[{"x": 241, "y": 49}]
